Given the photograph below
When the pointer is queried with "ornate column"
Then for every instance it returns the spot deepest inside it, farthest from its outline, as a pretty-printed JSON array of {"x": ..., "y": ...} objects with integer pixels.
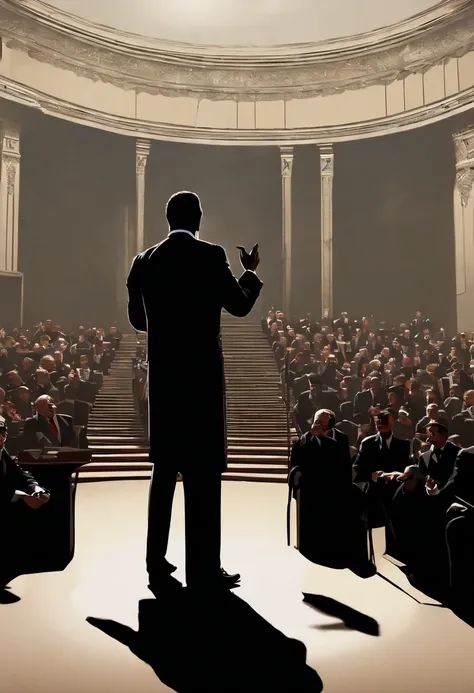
[
  {"x": 9, "y": 195},
  {"x": 464, "y": 228},
  {"x": 326, "y": 157},
  {"x": 125, "y": 255},
  {"x": 141, "y": 155},
  {"x": 286, "y": 157}
]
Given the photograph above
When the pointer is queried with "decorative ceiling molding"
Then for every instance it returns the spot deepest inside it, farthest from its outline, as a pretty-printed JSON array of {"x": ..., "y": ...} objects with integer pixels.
[
  {"x": 299, "y": 71},
  {"x": 218, "y": 136}
]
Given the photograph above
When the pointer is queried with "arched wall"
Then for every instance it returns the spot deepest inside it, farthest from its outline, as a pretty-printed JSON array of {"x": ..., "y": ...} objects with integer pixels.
[
  {"x": 376, "y": 110},
  {"x": 398, "y": 78}
]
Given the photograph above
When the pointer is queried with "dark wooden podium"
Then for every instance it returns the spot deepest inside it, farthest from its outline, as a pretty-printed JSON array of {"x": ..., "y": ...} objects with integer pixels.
[{"x": 54, "y": 523}]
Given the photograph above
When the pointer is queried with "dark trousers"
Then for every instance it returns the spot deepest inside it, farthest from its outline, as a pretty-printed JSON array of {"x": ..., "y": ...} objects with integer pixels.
[
  {"x": 460, "y": 543},
  {"x": 18, "y": 540},
  {"x": 202, "y": 499}
]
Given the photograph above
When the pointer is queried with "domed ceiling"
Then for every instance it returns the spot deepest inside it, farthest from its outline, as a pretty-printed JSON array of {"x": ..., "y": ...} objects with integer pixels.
[{"x": 245, "y": 22}]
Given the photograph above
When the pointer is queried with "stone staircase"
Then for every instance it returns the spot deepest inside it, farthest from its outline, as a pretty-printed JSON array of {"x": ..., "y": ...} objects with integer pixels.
[{"x": 256, "y": 416}]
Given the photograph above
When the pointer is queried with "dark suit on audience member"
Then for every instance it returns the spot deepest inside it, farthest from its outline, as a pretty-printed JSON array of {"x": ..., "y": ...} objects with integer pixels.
[
  {"x": 439, "y": 464},
  {"x": 330, "y": 505},
  {"x": 12, "y": 478},
  {"x": 461, "y": 482},
  {"x": 375, "y": 456},
  {"x": 366, "y": 399},
  {"x": 309, "y": 404},
  {"x": 184, "y": 278},
  {"x": 39, "y": 432},
  {"x": 14, "y": 516}
]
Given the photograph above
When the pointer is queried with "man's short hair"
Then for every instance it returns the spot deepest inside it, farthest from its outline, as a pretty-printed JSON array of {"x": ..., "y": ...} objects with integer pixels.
[
  {"x": 183, "y": 211},
  {"x": 41, "y": 371},
  {"x": 441, "y": 428}
]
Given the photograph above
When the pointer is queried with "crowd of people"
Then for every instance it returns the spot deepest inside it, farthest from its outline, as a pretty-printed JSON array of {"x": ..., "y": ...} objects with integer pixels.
[
  {"x": 398, "y": 404},
  {"x": 46, "y": 373}
]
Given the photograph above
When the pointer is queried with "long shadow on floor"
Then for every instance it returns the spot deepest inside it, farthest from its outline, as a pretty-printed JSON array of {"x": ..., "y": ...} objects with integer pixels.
[
  {"x": 196, "y": 643},
  {"x": 7, "y": 597},
  {"x": 348, "y": 617}
]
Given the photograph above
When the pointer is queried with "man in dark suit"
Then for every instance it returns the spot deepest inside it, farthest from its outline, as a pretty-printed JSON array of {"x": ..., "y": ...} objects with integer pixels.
[
  {"x": 18, "y": 492},
  {"x": 310, "y": 401},
  {"x": 375, "y": 397},
  {"x": 460, "y": 483},
  {"x": 330, "y": 506},
  {"x": 378, "y": 461},
  {"x": 438, "y": 462},
  {"x": 381, "y": 454},
  {"x": 48, "y": 429},
  {"x": 184, "y": 278}
]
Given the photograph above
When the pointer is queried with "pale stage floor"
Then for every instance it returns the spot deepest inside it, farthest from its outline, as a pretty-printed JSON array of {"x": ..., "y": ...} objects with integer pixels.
[{"x": 47, "y": 645}]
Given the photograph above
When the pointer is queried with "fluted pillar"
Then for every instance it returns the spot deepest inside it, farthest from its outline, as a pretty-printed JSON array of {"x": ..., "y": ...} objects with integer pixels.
[
  {"x": 286, "y": 157},
  {"x": 141, "y": 156},
  {"x": 464, "y": 228},
  {"x": 9, "y": 195},
  {"x": 326, "y": 157}
]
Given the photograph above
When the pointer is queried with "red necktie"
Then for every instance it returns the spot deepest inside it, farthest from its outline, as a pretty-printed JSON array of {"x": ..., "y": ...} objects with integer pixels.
[{"x": 54, "y": 428}]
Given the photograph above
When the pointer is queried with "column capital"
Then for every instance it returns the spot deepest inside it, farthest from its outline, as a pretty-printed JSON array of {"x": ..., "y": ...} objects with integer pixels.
[
  {"x": 142, "y": 150},
  {"x": 326, "y": 158},
  {"x": 10, "y": 140},
  {"x": 286, "y": 158},
  {"x": 464, "y": 150}
]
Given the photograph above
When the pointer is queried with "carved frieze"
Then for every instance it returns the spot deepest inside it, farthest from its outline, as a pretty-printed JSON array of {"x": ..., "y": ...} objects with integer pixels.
[{"x": 176, "y": 70}]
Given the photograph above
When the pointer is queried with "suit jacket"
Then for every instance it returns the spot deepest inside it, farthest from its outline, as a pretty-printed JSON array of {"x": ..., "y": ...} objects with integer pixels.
[
  {"x": 461, "y": 482},
  {"x": 441, "y": 470},
  {"x": 13, "y": 478},
  {"x": 181, "y": 281},
  {"x": 323, "y": 463},
  {"x": 308, "y": 406},
  {"x": 37, "y": 432},
  {"x": 374, "y": 457},
  {"x": 364, "y": 400}
]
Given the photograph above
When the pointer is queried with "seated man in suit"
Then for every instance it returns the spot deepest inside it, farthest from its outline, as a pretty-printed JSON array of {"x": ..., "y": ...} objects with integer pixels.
[
  {"x": 374, "y": 397},
  {"x": 310, "y": 401},
  {"x": 438, "y": 462},
  {"x": 379, "y": 458},
  {"x": 330, "y": 529},
  {"x": 48, "y": 429},
  {"x": 416, "y": 532},
  {"x": 382, "y": 454},
  {"x": 19, "y": 494}
]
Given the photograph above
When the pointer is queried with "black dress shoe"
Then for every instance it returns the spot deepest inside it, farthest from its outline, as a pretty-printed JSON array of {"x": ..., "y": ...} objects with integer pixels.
[
  {"x": 223, "y": 581},
  {"x": 363, "y": 570},
  {"x": 226, "y": 578},
  {"x": 162, "y": 584}
]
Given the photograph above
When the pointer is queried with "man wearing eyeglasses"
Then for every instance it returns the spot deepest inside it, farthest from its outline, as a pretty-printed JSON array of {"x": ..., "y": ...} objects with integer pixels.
[{"x": 19, "y": 492}]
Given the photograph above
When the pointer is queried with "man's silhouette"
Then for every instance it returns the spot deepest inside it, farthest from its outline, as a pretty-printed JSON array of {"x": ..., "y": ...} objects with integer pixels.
[{"x": 179, "y": 285}]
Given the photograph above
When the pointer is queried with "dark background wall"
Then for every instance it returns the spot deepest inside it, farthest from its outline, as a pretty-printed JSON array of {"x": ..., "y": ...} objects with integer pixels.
[{"x": 393, "y": 221}]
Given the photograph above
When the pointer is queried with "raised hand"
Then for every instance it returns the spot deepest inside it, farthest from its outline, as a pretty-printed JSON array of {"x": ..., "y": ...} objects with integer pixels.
[{"x": 249, "y": 261}]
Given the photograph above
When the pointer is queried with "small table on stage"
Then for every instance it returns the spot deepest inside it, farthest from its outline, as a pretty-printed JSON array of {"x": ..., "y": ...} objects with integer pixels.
[{"x": 54, "y": 525}]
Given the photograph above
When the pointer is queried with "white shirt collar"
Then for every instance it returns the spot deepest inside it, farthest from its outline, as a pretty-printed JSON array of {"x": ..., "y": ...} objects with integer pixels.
[
  {"x": 182, "y": 231},
  {"x": 387, "y": 440}
]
